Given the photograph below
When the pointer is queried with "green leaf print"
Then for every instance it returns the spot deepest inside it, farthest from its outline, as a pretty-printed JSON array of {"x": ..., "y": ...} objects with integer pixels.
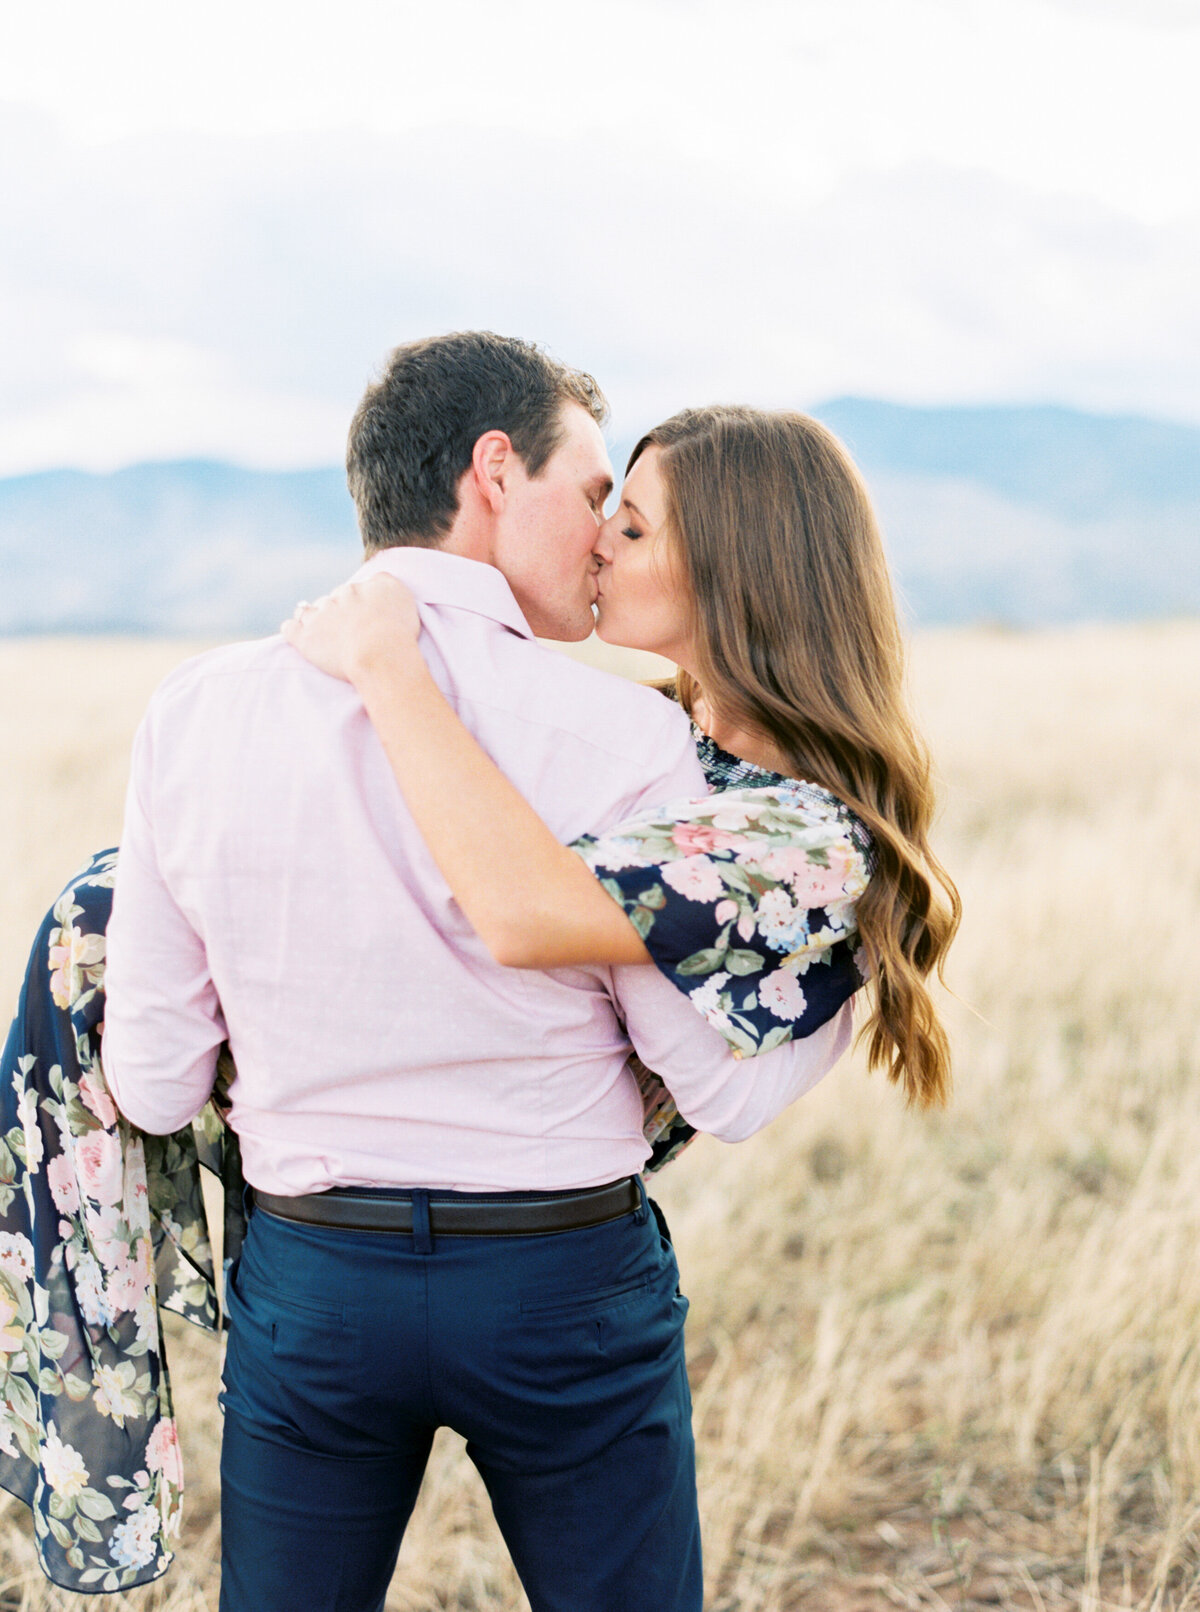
[
  {"x": 734, "y": 876},
  {"x": 81, "y": 1119},
  {"x": 776, "y": 1037},
  {"x": 28, "y": 1439},
  {"x": 20, "y": 1397},
  {"x": 53, "y": 1344},
  {"x": 96, "y": 1505},
  {"x": 743, "y": 962},
  {"x": 60, "y": 1531},
  {"x": 740, "y": 1041},
  {"x": 702, "y": 962}
]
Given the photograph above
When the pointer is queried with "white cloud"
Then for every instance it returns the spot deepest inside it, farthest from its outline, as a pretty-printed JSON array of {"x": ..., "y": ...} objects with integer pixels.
[
  {"x": 213, "y": 232},
  {"x": 166, "y": 416},
  {"x": 1092, "y": 96},
  {"x": 237, "y": 294}
]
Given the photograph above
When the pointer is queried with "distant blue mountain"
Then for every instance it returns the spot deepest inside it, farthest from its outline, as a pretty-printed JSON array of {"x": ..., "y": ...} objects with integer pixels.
[
  {"x": 1021, "y": 515},
  {"x": 1078, "y": 466},
  {"x": 189, "y": 547},
  {"x": 1031, "y": 515}
]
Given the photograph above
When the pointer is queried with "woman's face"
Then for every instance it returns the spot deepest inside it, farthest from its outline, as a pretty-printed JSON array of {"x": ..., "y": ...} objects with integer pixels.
[{"x": 642, "y": 602}]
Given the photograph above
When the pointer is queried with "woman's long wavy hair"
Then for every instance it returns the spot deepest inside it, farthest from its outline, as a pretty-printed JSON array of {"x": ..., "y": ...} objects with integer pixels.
[{"x": 795, "y": 625}]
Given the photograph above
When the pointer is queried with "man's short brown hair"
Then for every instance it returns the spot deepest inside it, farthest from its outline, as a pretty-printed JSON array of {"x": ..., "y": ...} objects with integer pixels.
[{"x": 415, "y": 430}]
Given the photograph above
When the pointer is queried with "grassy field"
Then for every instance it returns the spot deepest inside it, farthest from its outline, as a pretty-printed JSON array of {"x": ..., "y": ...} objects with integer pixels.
[{"x": 944, "y": 1362}]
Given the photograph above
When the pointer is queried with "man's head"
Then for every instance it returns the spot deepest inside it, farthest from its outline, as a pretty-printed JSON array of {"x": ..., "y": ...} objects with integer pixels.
[{"x": 483, "y": 446}]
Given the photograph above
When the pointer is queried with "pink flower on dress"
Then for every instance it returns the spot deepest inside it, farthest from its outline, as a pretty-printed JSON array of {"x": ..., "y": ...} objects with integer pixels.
[
  {"x": 16, "y": 1256},
  {"x": 101, "y": 1172},
  {"x": 109, "y": 1238},
  {"x": 699, "y": 837},
  {"x": 785, "y": 862},
  {"x": 816, "y": 886},
  {"x": 781, "y": 995},
  {"x": 96, "y": 1097},
  {"x": 726, "y": 911},
  {"x": 732, "y": 815},
  {"x": 64, "y": 1188},
  {"x": 162, "y": 1452},
  {"x": 694, "y": 877},
  {"x": 812, "y": 884},
  {"x": 128, "y": 1284}
]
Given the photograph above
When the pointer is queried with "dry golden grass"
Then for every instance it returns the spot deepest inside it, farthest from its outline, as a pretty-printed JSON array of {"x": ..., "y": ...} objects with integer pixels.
[{"x": 944, "y": 1362}]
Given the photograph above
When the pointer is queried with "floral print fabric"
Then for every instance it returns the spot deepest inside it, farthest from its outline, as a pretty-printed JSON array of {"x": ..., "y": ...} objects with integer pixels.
[
  {"x": 746, "y": 902},
  {"x": 100, "y": 1226}
]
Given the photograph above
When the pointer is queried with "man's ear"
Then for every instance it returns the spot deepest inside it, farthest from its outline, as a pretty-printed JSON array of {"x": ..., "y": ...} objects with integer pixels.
[{"x": 491, "y": 465}]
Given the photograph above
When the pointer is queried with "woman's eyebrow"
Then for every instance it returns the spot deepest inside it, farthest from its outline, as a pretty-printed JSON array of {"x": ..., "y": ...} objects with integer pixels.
[{"x": 630, "y": 505}]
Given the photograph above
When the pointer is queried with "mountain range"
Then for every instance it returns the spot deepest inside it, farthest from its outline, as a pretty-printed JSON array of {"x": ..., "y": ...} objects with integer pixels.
[{"x": 1013, "y": 515}]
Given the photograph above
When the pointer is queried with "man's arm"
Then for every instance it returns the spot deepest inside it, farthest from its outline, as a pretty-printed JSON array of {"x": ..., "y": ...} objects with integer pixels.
[
  {"x": 163, "y": 1024},
  {"x": 715, "y": 1091}
]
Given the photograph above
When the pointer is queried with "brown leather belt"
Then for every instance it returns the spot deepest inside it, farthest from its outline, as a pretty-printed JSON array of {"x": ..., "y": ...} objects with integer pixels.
[{"x": 482, "y": 1214}]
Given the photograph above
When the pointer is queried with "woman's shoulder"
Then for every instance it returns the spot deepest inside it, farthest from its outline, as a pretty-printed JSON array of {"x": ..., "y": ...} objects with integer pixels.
[
  {"x": 772, "y": 802},
  {"x": 750, "y": 813}
]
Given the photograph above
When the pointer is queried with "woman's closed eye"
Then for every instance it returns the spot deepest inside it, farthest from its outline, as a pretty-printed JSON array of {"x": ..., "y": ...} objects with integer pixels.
[{"x": 630, "y": 531}]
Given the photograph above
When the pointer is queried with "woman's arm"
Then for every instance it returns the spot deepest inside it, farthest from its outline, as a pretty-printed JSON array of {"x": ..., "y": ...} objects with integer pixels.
[{"x": 531, "y": 900}]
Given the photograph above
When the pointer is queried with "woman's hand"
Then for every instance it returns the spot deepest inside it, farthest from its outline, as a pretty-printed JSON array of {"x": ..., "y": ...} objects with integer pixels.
[{"x": 359, "y": 628}]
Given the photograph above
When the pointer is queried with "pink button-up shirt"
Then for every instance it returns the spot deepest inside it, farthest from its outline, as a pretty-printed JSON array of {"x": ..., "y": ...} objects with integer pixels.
[{"x": 273, "y": 891}]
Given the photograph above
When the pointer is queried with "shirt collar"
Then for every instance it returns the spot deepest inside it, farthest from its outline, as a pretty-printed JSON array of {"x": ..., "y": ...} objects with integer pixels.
[{"x": 438, "y": 578}]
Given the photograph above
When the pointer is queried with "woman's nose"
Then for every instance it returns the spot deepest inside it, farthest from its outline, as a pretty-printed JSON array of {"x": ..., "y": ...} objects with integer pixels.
[{"x": 602, "y": 548}]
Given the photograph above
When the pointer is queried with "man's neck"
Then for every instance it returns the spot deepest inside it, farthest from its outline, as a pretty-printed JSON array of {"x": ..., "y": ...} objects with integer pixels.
[{"x": 470, "y": 539}]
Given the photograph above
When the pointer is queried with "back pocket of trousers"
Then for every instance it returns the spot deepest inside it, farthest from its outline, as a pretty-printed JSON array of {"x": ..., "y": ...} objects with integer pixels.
[{"x": 569, "y": 1306}]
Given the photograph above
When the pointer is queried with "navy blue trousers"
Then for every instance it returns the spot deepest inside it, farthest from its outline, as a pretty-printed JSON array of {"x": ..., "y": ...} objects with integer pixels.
[{"x": 559, "y": 1359}]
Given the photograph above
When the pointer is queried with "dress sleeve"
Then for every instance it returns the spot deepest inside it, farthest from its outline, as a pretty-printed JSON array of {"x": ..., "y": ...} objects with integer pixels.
[{"x": 746, "y": 901}]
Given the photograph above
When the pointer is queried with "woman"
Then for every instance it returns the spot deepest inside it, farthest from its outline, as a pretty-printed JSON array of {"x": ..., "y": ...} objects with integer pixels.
[{"x": 745, "y": 550}]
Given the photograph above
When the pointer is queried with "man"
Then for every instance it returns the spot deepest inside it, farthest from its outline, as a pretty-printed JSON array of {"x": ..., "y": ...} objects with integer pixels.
[{"x": 449, "y": 1228}]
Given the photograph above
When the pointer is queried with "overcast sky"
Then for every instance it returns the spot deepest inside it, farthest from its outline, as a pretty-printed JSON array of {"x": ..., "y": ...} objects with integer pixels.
[{"x": 216, "y": 220}]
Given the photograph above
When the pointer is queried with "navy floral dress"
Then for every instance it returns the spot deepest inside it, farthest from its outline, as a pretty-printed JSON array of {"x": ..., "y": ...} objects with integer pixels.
[
  {"x": 101, "y": 1229},
  {"x": 746, "y": 902}
]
